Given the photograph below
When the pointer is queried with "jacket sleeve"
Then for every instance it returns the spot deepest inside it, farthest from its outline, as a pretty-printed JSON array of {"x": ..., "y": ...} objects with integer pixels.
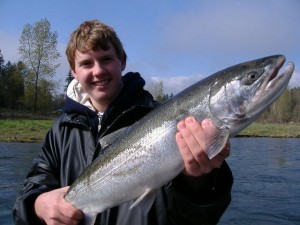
[
  {"x": 42, "y": 177},
  {"x": 204, "y": 206}
]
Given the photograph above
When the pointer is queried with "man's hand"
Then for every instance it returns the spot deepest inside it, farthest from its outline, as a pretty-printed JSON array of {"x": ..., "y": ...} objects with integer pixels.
[
  {"x": 192, "y": 140},
  {"x": 54, "y": 209}
]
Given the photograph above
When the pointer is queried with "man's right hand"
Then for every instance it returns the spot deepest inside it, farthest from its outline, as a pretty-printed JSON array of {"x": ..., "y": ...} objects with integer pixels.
[{"x": 52, "y": 208}]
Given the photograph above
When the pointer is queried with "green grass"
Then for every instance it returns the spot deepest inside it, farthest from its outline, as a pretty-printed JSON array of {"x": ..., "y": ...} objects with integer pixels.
[
  {"x": 284, "y": 130},
  {"x": 26, "y": 130},
  {"x": 23, "y": 130}
]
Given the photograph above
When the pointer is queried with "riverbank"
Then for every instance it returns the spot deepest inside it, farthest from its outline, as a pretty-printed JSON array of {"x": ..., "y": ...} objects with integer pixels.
[
  {"x": 273, "y": 130},
  {"x": 26, "y": 130},
  {"x": 23, "y": 130}
]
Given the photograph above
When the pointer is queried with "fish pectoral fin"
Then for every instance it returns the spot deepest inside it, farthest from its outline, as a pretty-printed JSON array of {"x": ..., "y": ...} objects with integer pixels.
[
  {"x": 218, "y": 143},
  {"x": 90, "y": 218},
  {"x": 145, "y": 201}
]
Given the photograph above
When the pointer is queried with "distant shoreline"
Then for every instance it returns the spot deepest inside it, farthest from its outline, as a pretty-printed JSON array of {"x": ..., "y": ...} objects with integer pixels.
[
  {"x": 29, "y": 130},
  {"x": 272, "y": 130}
]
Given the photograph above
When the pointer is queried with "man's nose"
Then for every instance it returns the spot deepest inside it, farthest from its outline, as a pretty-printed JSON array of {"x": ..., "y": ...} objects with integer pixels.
[{"x": 98, "y": 69}]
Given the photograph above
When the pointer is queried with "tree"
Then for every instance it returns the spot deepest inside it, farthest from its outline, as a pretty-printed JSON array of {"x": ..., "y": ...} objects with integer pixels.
[
  {"x": 15, "y": 84},
  {"x": 12, "y": 85},
  {"x": 38, "y": 49},
  {"x": 156, "y": 89},
  {"x": 2, "y": 71},
  {"x": 1, "y": 61},
  {"x": 2, "y": 81},
  {"x": 295, "y": 92},
  {"x": 69, "y": 78},
  {"x": 46, "y": 92},
  {"x": 281, "y": 109}
]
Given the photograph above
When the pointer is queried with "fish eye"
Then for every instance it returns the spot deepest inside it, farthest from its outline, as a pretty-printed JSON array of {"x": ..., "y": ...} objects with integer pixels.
[
  {"x": 252, "y": 75},
  {"x": 251, "y": 78}
]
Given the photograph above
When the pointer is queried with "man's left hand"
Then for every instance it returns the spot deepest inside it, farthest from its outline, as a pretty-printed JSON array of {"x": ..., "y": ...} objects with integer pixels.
[{"x": 192, "y": 142}]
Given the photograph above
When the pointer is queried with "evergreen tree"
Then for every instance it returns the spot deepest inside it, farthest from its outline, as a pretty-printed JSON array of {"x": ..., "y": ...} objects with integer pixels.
[
  {"x": 1, "y": 61},
  {"x": 69, "y": 78},
  {"x": 12, "y": 85},
  {"x": 2, "y": 81}
]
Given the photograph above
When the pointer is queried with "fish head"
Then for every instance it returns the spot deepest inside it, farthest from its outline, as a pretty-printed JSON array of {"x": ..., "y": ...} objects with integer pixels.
[{"x": 241, "y": 93}]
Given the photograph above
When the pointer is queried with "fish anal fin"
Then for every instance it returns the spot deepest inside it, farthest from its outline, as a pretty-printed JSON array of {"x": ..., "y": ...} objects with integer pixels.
[
  {"x": 145, "y": 201},
  {"x": 90, "y": 218}
]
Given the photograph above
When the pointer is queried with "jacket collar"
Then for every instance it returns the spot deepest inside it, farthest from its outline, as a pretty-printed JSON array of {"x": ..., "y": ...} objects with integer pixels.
[{"x": 78, "y": 101}]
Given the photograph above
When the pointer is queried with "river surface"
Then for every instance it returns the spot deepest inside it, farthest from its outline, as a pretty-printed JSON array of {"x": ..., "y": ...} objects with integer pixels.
[{"x": 266, "y": 189}]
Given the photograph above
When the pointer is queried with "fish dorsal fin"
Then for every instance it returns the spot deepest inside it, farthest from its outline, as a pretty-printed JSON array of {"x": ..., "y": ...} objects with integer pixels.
[
  {"x": 145, "y": 201},
  {"x": 217, "y": 142},
  {"x": 107, "y": 140},
  {"x": 90, "y": 218}
]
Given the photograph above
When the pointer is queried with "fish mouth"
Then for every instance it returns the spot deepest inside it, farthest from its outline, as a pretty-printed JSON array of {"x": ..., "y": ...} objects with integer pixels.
[
  {"x": 272, "y": 73},
  {"x": 277, "y": 68},
  {"x": 280, "y": 79},
  {"x": 274, "y": 83}
]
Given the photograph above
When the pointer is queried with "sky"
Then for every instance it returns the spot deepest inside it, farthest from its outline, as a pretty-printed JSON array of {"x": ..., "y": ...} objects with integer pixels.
[{"x": 175, "y": 41}]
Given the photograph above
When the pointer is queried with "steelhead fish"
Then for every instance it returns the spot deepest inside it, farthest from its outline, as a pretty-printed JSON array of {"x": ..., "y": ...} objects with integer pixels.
[{"x": 146, "y": 156}]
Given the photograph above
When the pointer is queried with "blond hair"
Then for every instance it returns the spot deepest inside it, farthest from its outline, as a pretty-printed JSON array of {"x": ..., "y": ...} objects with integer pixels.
[{"x": 93, "y": 35}]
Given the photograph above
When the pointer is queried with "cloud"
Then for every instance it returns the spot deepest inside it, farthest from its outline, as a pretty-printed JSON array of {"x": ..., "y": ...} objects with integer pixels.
[{"x": 176, "y": 84}]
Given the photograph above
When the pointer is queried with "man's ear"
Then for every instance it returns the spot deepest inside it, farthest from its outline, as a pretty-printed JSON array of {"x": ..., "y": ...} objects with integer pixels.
[{"x": 74, "y": 74}]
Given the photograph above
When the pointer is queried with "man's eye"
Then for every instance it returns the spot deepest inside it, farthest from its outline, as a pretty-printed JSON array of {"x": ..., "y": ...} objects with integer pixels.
[
  {"x": 106, "y": 60},
  {"x": 86, "y": 63}
]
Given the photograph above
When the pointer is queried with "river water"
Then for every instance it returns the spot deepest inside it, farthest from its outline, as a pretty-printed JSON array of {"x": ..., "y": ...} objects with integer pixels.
[{"x": 266, "y": 171}]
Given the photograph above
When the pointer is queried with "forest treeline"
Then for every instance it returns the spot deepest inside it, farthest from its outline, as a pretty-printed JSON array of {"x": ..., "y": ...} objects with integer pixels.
[
  {"x": 17, "y": 89},
  {"x": 28, "y": 85},
  {"x": 286, "y": 109}
]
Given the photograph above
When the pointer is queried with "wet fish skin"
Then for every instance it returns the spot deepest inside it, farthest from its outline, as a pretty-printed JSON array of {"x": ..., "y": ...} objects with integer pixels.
[{"x": 146, "y": 156}]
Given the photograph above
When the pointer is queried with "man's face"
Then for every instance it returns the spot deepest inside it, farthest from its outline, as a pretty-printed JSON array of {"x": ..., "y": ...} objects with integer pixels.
[{"x": 99, "y": 73}]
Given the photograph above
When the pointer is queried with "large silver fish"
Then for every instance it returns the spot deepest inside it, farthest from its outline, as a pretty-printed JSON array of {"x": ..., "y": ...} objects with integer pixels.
[{"x": 146, "y": 156}]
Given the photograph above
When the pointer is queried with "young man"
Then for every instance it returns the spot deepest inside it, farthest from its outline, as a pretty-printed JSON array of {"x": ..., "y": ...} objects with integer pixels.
[{"x": 100, "y": 101}]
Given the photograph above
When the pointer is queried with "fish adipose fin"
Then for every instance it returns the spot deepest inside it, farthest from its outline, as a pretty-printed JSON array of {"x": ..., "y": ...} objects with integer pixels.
[
  {"x": 145, "y": 201},
  {"x": 217, "y": 142}
]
